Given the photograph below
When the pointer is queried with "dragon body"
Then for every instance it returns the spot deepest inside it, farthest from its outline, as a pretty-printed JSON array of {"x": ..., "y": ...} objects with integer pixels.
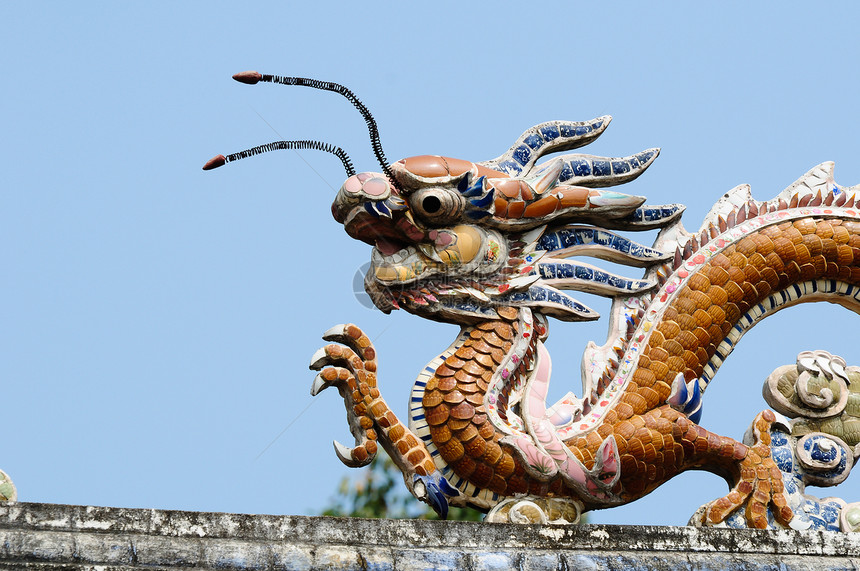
[
  {"x": 495, "y": 246},
  {"x": 479, "y": 410}
]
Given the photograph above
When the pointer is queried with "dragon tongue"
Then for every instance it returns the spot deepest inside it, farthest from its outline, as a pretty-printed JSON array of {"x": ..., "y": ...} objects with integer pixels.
[{"x": 387, "y": 247}]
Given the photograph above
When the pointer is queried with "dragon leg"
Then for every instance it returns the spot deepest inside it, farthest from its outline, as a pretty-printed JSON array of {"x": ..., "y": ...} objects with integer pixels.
[
  {"x": 661, "y": 443},
  {"x": 350, "y": 364},
  {"x": 759, "y": 484}
]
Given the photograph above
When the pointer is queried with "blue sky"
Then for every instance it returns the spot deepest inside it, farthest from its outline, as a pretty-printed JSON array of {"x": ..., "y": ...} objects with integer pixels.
[{"x": 158, "y": 320}]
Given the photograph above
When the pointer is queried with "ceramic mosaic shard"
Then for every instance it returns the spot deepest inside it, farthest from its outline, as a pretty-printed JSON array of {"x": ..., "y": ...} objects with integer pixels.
[{"x": 491, "y": 246}]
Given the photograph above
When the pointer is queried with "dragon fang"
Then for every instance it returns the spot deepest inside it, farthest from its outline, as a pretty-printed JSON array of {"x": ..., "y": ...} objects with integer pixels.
[{"x": 491, "y": 246}]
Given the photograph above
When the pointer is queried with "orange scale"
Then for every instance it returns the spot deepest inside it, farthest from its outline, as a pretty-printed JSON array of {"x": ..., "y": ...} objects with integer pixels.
[
  {"x": 543, "y": 207},
  {"x": 515, "y": 209},
  {"x": 572, "y": 196},
  {"x": 428, "y": 166},
  {"x": 509, "y": 188}
]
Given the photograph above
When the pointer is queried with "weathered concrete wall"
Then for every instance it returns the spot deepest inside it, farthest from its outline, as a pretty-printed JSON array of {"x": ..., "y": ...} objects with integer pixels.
[{"x": 43, "y": 537}]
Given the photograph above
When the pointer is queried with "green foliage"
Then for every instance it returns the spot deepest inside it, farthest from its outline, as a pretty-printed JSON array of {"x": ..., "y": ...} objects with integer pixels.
[{"x": 380, "y": 493}]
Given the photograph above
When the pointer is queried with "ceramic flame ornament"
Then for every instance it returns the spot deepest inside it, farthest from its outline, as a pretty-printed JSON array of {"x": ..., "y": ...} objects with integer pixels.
[{"x": 495, "y": 246}]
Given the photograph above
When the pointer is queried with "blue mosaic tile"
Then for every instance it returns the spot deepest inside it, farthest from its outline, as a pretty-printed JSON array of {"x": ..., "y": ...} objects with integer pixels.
[
  {"x": 550, "y": 132},
  {"x": 547, "y": 271},
  {"x": 471, "y": 190},
  {"x": 380, "y": 206},
  {"x": 522, "y": 155},
  {"x": 620, "y": 167},
  {"x": 601, "y": 168},
  {"x": 829, "y": 513},
  {"x": 783, "y": 459},
  {"x": 645, "y": 156},
  {"x": 581, "y": 167},
  {"x": 534, "y": 141},
  {"x": 549, "y": 242},
  {"x": 485, "y": 201},
  {"x": 696, "y": 416},
  {"x": 798, "y": 292},
  {"x": 566, "y": 172},
  {"x": 567, "y": 130},
  {"x": 583, "y": 130},
  {"x": 370, "y": 210},
  {"x": 819, "y": 453}
]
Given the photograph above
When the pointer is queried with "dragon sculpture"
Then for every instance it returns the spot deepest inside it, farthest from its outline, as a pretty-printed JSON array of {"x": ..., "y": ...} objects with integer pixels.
[{"x": 490, "y": 246}]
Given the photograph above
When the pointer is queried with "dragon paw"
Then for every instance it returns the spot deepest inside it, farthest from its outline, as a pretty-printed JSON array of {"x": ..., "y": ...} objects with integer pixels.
[
  {"x": 434, "y": 490},
  {"x": 349, "y": 364},
  {"x": 759, "y": 484}
]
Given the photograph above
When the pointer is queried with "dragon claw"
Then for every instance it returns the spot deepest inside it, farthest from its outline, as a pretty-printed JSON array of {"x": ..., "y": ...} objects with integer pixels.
[
  {"x": 319, "y": 385},
  {"x": 319, "y": 360},
  {"x": 354, "y": 457},
  {"x": 333, "y": 332},
  {"x": 434, "y": 490},
  {"x": 759, "y": 485}
]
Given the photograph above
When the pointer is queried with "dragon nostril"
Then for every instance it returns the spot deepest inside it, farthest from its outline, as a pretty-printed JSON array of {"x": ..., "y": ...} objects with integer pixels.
[{"x": 431, "y": 204}]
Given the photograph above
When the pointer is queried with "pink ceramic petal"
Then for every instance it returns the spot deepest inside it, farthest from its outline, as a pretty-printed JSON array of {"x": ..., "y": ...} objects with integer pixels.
[
  {"x": 375, "y": 187},
  {"x": 352, "y": 184}
]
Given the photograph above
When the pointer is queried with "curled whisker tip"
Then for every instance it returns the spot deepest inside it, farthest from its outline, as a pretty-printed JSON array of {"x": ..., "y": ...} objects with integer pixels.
[
  {"x": 249, "y": 77},
  {"x": 215, "y": 162}
]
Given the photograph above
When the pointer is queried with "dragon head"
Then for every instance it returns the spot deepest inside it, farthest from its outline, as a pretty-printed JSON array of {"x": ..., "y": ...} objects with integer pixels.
[{"x": 455, "y": 240}]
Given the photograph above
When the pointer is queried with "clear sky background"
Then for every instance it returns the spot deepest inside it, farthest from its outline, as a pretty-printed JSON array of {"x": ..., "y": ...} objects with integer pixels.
[{"x": 157, "y": 320}]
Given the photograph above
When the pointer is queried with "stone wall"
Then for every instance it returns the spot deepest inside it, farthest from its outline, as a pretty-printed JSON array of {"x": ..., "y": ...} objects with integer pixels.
[{"x": 51, "y": 537}]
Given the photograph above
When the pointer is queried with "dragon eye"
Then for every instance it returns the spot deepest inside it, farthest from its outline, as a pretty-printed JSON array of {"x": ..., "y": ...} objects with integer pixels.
[
  {"x": 431, "y": 204},
  {"x": 437, "y": 205}
]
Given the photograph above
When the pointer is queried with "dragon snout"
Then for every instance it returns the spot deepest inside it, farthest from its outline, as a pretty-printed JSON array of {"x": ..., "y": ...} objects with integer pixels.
[{"x": 372, "y": 190}]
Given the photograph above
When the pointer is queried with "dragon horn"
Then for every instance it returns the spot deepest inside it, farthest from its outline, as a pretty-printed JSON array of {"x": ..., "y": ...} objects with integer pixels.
[
  {"x": 253, "y": 77},
  {"x": 544, "y": 138},
  {"x": 221, "y": 160},
  {"x": 598, "y": 172}
]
